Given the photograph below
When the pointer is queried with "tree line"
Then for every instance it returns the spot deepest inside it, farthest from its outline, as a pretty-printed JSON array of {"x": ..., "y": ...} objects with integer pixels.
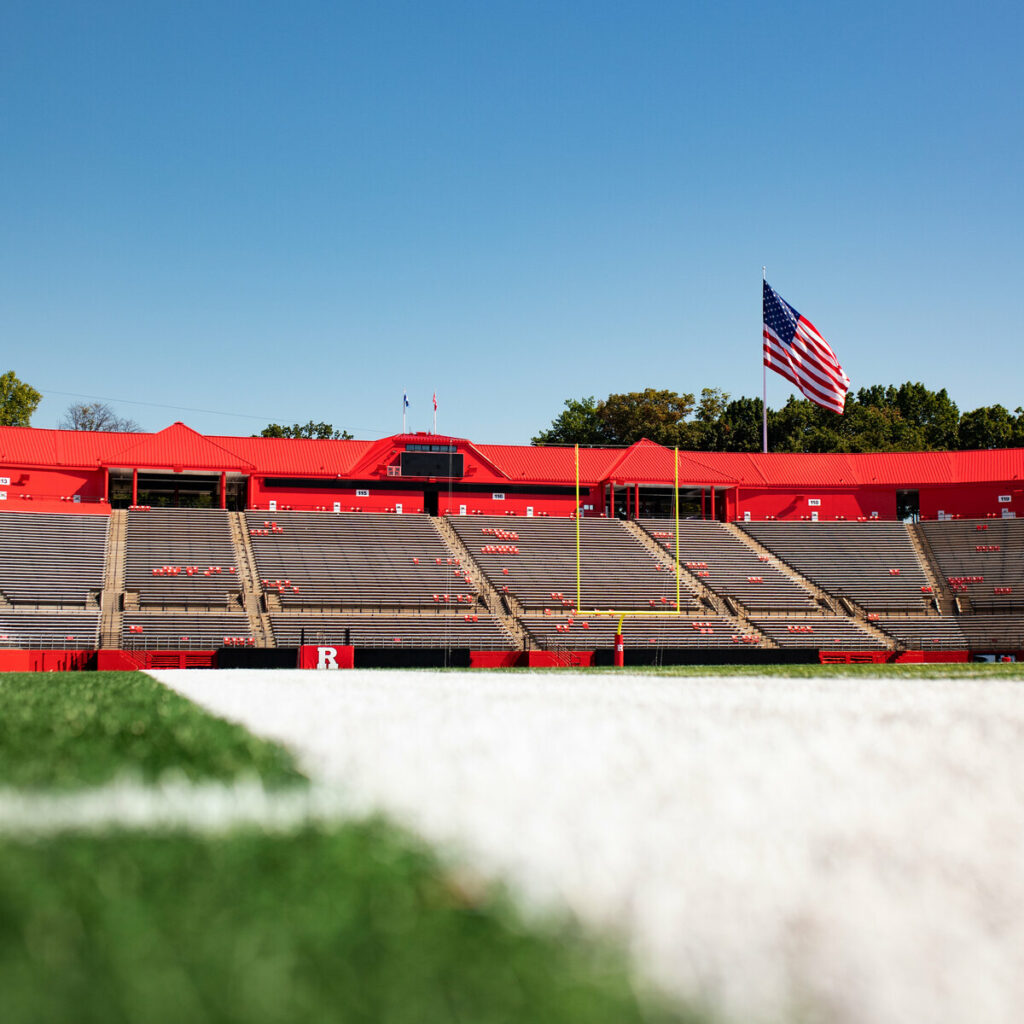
[{"x": 880, "y": 418}]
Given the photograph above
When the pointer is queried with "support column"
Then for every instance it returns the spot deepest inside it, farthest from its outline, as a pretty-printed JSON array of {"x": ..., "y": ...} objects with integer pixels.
[
  {"x": 636, "y": 501},
  {"x": 106, "y": 485},
  {"x": 223, "y": 490},
  {"x": 135, "y": 486},
  {"x": 712, "y": 502},
  {"x": 703, "y": 511}
]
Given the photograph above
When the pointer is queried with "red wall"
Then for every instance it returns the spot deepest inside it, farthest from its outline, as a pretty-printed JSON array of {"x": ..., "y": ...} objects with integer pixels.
[
  {"x": 306, "y": 500},
  {"x": 513, "y": 505},
  {"x": 49, "y": 485},
  {"x": 974, "y": 501},
  {"x": 411, "y": 500},
  {"x": 46, "y": 661},
  {"x": 793, "y": 505}
]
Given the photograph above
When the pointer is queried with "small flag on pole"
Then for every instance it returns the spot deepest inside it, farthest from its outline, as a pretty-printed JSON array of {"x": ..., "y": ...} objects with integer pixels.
[
  {"x": 794, "y": 348},
  {"x": 435, "y": 401},
  {"x": 405, "y": 399}
]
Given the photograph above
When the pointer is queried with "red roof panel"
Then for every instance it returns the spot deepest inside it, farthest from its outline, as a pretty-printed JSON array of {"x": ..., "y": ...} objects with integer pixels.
[
  {"x": 287, "y": 456},
  {"x": 176, "y": 446},
  {"x": 548, "y": 464}
]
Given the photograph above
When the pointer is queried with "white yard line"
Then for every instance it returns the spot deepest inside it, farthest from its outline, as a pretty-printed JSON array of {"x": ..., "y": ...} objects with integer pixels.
[
  {"x": 855, "y": 844},
  {"x": 208, "y": 807}
]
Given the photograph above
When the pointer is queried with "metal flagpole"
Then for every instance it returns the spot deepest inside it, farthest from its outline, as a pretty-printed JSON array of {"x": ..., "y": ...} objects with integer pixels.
[
  {"x": 764, "y": 372},
  {"x": 435, "y": 412},
  {"x": 405, "y": 405}
]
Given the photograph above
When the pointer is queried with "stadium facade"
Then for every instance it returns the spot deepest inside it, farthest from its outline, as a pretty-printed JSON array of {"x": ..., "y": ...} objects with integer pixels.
[{"x": 55, "y": 470}]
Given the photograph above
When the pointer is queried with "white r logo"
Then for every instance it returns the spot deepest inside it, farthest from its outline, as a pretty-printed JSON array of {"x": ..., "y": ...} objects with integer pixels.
[{"x": 327, "y": 657}]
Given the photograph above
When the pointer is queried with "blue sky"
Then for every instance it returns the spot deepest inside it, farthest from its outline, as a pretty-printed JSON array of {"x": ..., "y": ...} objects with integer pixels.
[{"x": 295, "y": 211}]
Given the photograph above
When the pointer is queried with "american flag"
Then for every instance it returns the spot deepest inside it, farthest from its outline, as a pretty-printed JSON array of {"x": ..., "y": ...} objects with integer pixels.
[{"x": 794, "y": 348}]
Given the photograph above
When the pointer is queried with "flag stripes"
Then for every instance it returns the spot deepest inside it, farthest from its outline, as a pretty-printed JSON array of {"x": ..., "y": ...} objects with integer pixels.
[{"x": 795, "y": 349}]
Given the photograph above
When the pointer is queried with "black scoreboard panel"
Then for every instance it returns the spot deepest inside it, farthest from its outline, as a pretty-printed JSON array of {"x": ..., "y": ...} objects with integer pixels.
[{"x": 443, "y": 464}]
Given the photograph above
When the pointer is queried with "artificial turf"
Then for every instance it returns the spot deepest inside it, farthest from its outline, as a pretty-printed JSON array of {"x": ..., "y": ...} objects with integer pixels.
[
  {"x": 74, "y": 729},
  {"x": 350, "y": 923}
]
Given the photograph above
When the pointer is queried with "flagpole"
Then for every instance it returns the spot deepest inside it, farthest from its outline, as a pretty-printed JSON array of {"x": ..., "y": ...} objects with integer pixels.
[
  {"x": 435, "y": 412},
  {"x": 764, "y": 372},
  {"x": 405, "y": 404}
]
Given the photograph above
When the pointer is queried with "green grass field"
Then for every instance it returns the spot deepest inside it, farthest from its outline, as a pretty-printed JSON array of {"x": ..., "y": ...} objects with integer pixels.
[
  {"x": 74, "y": 729},
  {"x": 352, "y": 923},
  {"x": 355, "y": 921}
]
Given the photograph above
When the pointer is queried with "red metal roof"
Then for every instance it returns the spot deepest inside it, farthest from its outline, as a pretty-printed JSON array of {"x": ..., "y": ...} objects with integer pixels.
[
  {"x": 78, "y": 449},
  {"x": 648, "y": 463},
  {"x": 175, "y": 447},
  {"x": 543, "y": 464},
  {"x": 287, "y": 456}
]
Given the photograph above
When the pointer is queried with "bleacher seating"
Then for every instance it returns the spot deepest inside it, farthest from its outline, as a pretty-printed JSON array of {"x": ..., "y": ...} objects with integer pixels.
[
  {"x": 873, "y": 564},
  {"x": 825, "y": 631},
  {"x": 317, "y": 560},
  {"x": 594, "y": 632},
  {"x": 534, "y": 560},
  {"x": 728, "y": 567},
  {"x": 70, "y": 631},
  {"x": 993, "y": 633},
  {"x": 180, "y": 558},
  {"x": 981, "y": 559},
  {"x": 51, "y": 558},
  {"x": 203, "y": 631},
  {"x": 925, "y": 633},
  {"x": 392, "y": 582},
  {"x": 476, "y": 630}
]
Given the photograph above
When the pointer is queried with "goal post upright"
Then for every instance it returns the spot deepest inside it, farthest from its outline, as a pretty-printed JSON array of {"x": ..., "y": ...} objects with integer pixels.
[
  {"x": 578, "y": 513},
  {"x": 675, "y": 502},
  {"x": 622, "y": 614}
]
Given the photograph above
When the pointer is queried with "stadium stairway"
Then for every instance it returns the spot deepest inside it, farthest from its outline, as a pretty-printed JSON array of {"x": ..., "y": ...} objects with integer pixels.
[
  {"x": 690, "y": 582},
  {"x": 825, "y": 601},
  {"x": 718, "y": 604},
  {"x": 945, "y": 602},
  {"x": 885, "y": 639},
  {"x": 714, "y": 602},
  {"x": 112, "y": 599},
  {"x": 245, "y": 560},
  {"x": 504, "y": 611}
]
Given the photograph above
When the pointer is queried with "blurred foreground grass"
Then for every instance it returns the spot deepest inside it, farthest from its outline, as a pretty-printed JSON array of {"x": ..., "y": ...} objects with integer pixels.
[
  {"x": 74, "y": 729},
  {"x": 353, "y": 923}
]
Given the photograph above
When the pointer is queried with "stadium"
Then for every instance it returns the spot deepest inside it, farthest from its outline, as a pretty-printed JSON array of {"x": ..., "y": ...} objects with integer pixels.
[{"x": 179, "y": 549}]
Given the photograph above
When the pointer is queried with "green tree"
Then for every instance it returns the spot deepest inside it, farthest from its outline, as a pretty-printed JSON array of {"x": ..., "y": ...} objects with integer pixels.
[
  {"x": 991, "y": 426},
  {"x": 18, "y": 401},
  {"x": 579, "y": 423},
  {"x": 310, "y": 430},
  {"x": 659, "y": 416},
  {"x": 802, "y": 426},
  {"x": 739, "y": 427},
  {"x": 704, "y": 430}
]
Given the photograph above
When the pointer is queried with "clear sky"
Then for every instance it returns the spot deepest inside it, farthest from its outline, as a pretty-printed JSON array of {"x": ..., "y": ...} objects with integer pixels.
[{"x": 293, "y": 211}]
